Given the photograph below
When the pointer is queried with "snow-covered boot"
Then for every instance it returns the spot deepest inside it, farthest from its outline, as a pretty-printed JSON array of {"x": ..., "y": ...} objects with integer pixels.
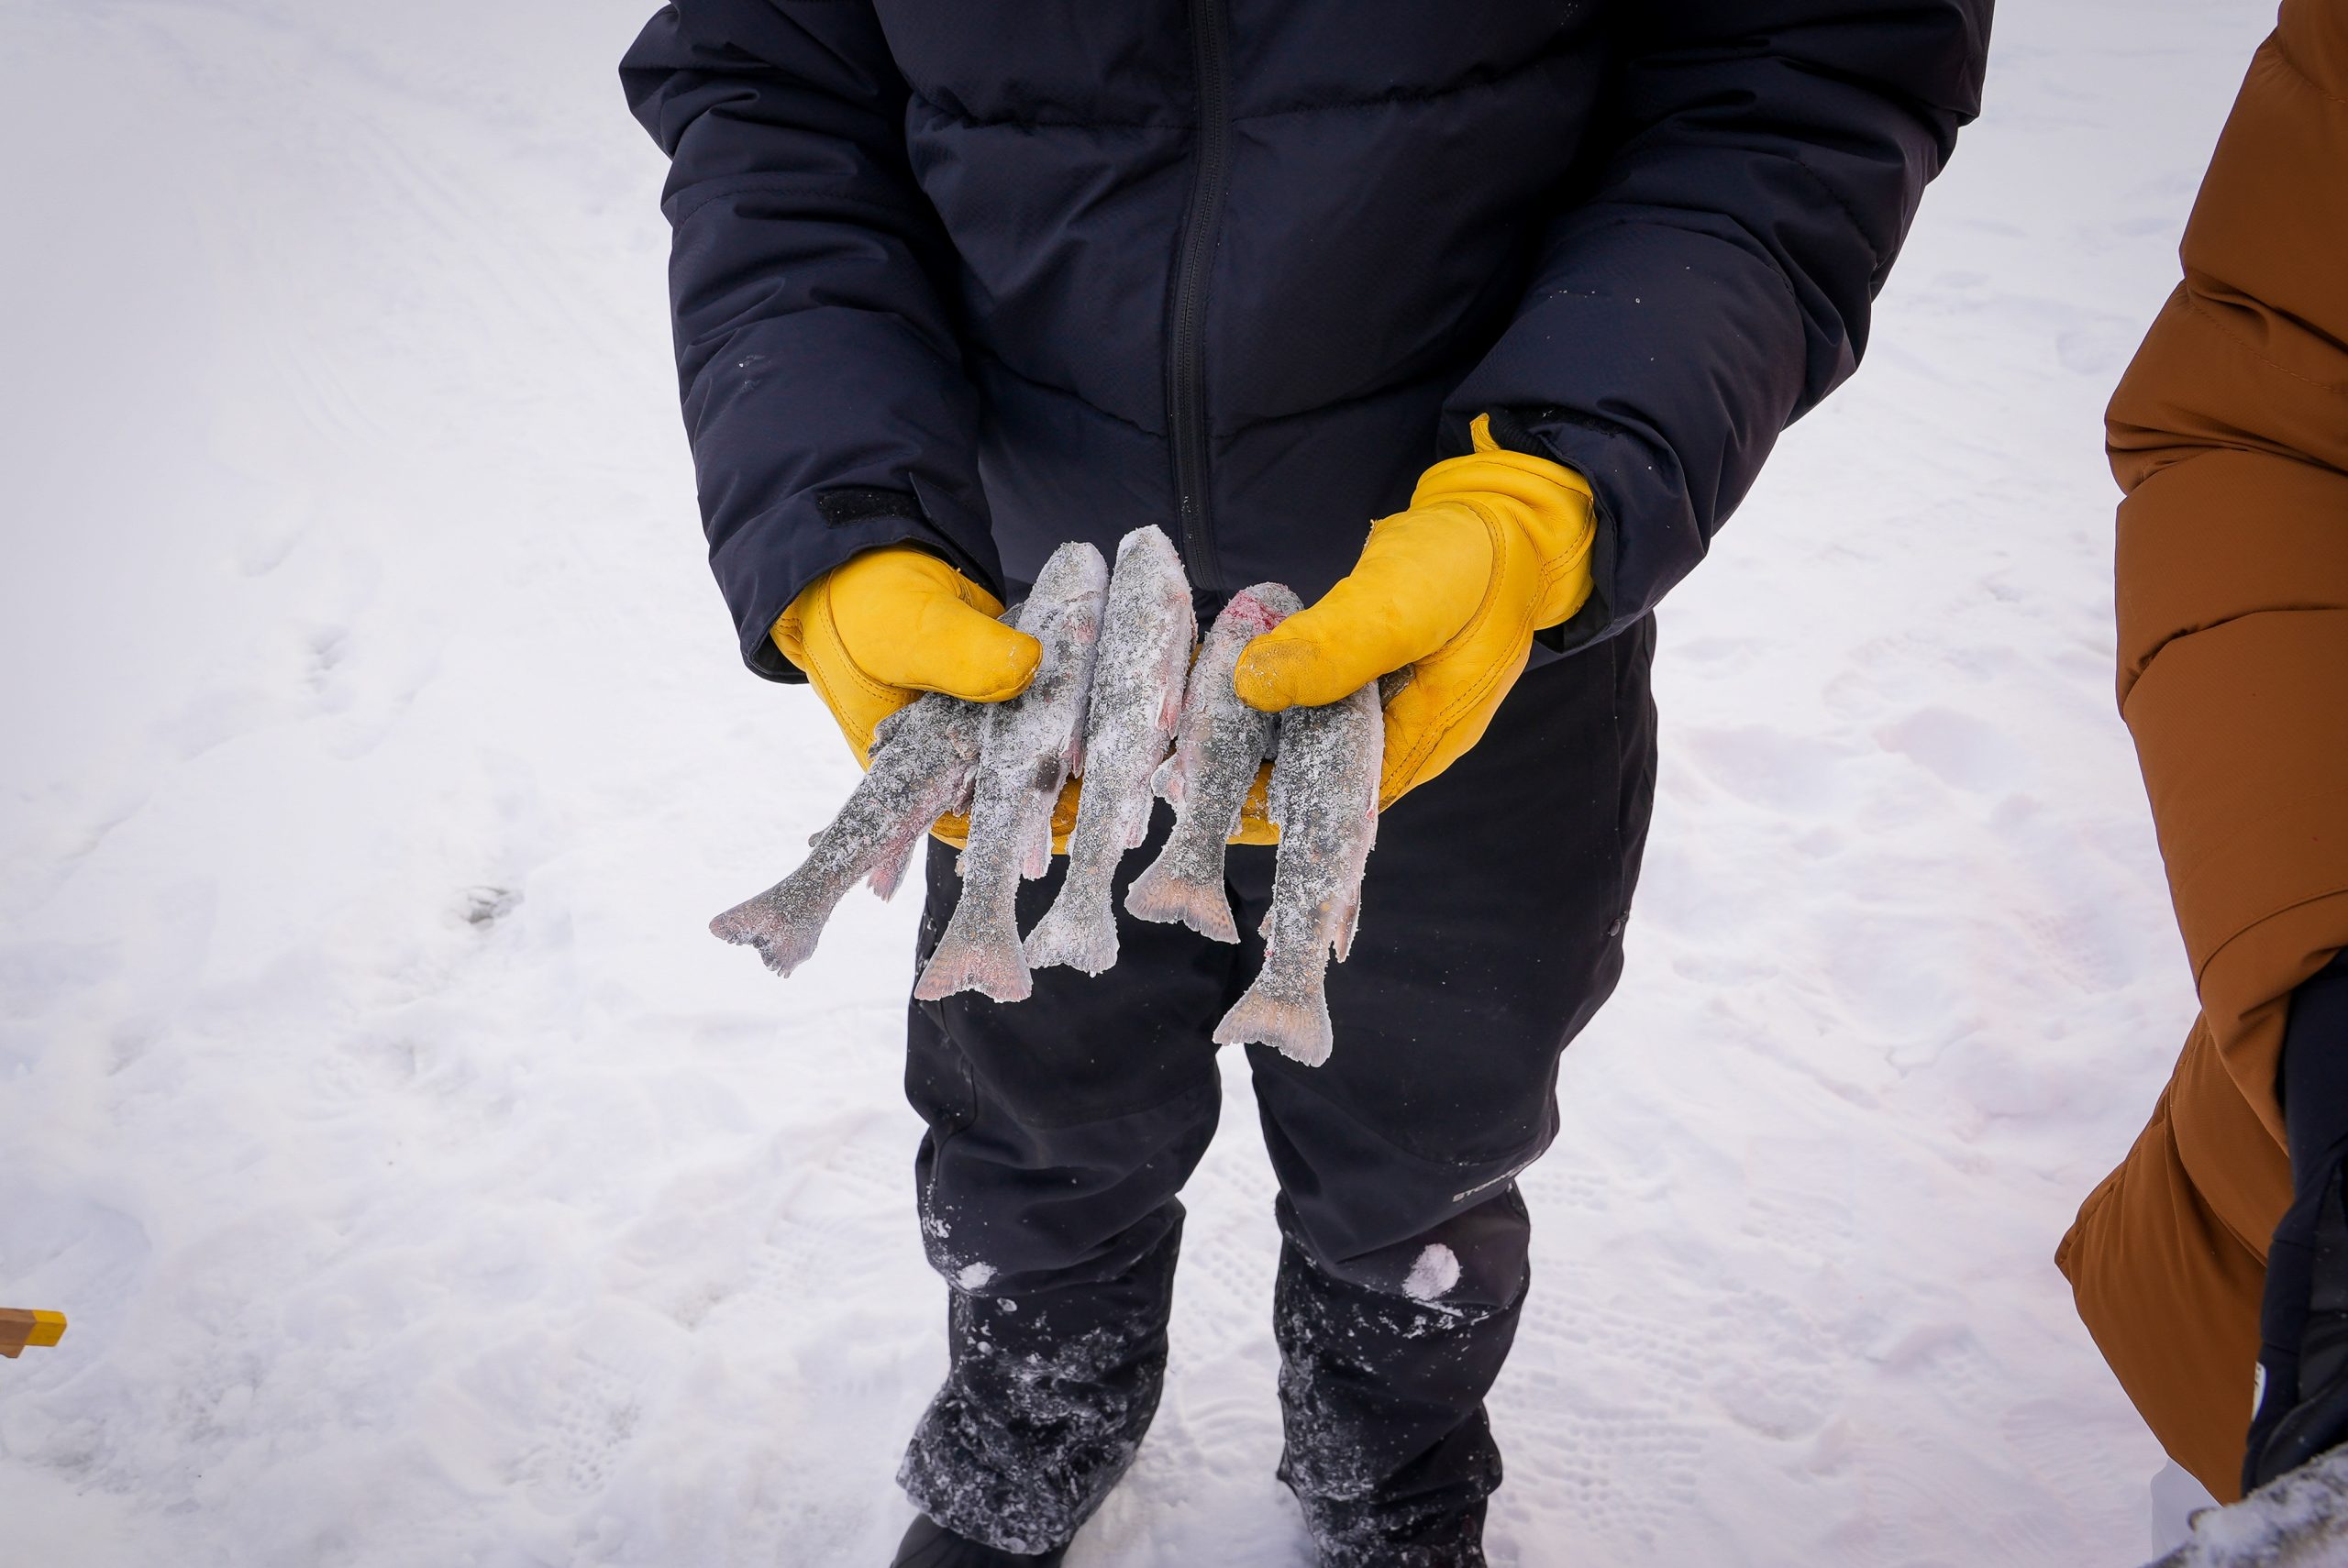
[
  {"x": 1047, "y": 1393},
  {"x": 1381, "y": 1398},
  {"x": 931, "y": 1545}
]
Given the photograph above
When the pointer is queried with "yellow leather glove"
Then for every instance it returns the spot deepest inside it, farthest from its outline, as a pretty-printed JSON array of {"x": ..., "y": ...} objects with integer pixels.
[
  {"x": 879, "y": 629},
  {"x": 1494, "y": 547}
]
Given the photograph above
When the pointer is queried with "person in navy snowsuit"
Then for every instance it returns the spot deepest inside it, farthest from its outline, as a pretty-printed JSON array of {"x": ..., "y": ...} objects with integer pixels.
[{"x": 970, "y": 280}]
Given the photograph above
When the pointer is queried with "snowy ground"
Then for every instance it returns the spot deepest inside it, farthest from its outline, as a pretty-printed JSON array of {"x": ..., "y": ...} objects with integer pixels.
[{"x": 426, "y": 1188}]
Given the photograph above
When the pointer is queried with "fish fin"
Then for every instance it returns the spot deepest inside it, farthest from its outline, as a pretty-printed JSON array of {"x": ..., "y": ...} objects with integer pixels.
[
  {"x": 1160, "y": 895},
  {"x": 1036, "y": 859},
  {"x": 1080, "y": 938},
  {"x": 1298, "y": 1027},
  {"x": 1166, "y": 781},
  {"x": 1347, "y": 921},
  {"x": 766, "y": 924},
  {"x": 979, "y": 953},
  {"x": 889, "y": 870}
]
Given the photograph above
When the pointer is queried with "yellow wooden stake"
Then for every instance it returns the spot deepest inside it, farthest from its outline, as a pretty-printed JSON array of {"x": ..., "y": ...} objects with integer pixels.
[{"x": 19, "y": 1329}]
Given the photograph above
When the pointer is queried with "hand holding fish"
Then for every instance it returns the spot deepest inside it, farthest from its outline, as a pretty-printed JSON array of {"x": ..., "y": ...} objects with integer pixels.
[
  {"x": 882, "y": 628},
  {"x": 1495, "y": 547},
  {"x": 1114, "y": 689}
]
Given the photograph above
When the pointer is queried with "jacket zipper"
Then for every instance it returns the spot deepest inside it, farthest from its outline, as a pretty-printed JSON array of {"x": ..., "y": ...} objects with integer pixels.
[{"x": 1186, "y": 362}]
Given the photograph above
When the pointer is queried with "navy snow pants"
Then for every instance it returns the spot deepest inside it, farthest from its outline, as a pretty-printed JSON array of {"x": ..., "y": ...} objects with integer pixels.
[{"x": 1061, "y": 1128}]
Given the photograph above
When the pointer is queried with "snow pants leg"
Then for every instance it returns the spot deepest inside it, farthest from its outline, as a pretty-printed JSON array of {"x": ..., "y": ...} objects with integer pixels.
[{"x": 1061, "y": 1128}]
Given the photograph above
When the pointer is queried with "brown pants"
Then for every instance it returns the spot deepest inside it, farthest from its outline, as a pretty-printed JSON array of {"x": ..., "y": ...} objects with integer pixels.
[{"x": 2168, "y": 1257}]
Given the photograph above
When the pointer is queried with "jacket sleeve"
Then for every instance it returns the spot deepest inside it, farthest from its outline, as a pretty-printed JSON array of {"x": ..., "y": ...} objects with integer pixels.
[
  {"x": 823, "y": 390},
  {"x": 1765, "y": 157},
  {"x": 2230, "y": 436}
]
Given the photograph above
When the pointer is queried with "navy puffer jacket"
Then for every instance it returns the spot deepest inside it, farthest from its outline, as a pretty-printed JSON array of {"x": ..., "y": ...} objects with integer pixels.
[{"x": 988, "y": 276}]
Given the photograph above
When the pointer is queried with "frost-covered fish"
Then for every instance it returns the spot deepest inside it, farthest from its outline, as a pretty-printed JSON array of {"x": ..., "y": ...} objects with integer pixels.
[
  {"x": 924, "y": 758},
  {"x": 1145, "y": 641},
  {"x": 1324, "y": 797},
  {"x": 1031, "y": 743},
  {"x": 1218, "y": 745}
]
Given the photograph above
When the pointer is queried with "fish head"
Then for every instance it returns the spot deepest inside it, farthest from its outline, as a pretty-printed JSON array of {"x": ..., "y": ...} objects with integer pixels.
[
  {"x": 1149, "y": 549},
  {"x": 1255, "y": 611},
  {"x": 1074, "y": 571}
]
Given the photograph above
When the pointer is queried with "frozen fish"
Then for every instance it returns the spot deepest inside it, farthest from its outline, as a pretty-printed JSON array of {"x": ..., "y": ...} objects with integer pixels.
[
  {"x": 1324, "y": 797},
  {"x": 1218, "y": 746},
  {"x": 1032, "y": 743},
  {"x": 1146, "y": 636},
  {"x": 924, "y": 758}
]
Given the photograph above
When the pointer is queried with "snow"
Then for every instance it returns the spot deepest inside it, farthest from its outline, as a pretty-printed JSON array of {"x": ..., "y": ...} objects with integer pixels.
[
  {"x": 1432, "y": 1273},
  {"x": 2176, "y": 1496},
  {"x": 426, "y": 1186}
]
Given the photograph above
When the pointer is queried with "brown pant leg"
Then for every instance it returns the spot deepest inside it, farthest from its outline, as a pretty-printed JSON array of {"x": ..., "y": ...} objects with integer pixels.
[{"x": 2168, "y": 1257}]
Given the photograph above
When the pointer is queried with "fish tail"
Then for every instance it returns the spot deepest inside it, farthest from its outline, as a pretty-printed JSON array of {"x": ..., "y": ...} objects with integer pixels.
[
  {"x": 1280, "y": 1012},
  {"x": 1165, "y": 895},
  {"x": 782, "y": 923},
  {"x": 1080, "y": 930},
  {"x": 979, "y": 952}
]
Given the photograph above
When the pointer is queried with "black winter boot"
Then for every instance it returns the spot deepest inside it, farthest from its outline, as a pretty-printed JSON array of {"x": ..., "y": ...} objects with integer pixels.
[
  {"x": 2303, "y": 1359},
  {"x": 931, "y": 1545}
]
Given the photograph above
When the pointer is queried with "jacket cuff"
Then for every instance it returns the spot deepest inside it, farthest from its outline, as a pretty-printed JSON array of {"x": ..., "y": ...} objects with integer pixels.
[
  {"x": 1658, "y": 361},
  {"x": 1537, "y": 432}
]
